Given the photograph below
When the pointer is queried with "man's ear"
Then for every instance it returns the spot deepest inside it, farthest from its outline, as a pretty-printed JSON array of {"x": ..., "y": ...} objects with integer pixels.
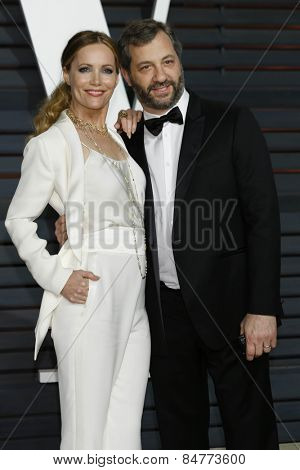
[
  {"x": 66, "y": 76},
  {"x": 126, "y": 76}
]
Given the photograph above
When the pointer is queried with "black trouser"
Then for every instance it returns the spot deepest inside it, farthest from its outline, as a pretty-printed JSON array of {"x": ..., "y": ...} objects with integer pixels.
[{"x": 179, "y": 382}]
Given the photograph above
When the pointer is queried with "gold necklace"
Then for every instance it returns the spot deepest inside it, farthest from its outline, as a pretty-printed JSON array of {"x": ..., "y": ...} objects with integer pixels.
[
  {"x": 135, "y": 201},
  {"x": 86, "y": 125},
  {"x": 86, "y": 131}
]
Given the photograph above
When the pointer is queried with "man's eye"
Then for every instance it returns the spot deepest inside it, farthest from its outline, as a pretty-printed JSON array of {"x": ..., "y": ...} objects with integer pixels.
[
  {"x": 169, "y": 62},
  {"x": 145, "y": 67},
  {"x": 83, "y": 69}
]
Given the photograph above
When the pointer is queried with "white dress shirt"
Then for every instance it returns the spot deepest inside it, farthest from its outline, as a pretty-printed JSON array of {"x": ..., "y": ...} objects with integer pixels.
[{"x": 162, "y": 153}]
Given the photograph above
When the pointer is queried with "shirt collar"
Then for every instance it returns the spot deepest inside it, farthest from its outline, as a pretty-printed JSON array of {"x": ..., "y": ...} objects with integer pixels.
[{"x": 182, "y": 104}]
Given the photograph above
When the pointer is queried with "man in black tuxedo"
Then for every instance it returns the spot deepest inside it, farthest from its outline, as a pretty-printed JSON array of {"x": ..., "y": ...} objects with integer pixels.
[
  {"x": 214, "y": 264},
  {"x": 213, "y": 250}
]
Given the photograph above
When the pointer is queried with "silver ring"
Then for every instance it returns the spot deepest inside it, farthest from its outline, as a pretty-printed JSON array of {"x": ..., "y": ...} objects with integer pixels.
[{"x": 268, "y": 347}]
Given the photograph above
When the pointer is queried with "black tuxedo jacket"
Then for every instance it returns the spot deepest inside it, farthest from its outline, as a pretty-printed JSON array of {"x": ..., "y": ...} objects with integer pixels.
[{"x": 226, "y": 227}]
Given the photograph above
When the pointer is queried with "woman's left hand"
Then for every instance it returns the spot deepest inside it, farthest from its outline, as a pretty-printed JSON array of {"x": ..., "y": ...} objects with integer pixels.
[{"x": 127, "y": 121}]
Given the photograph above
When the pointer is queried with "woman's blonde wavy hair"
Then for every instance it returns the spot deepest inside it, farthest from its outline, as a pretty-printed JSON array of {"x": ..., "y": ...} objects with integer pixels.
[{"x": 60, "y": 98}]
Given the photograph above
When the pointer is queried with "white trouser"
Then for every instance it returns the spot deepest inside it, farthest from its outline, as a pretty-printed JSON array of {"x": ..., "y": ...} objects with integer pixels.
[{"x": 103, "y": 354}]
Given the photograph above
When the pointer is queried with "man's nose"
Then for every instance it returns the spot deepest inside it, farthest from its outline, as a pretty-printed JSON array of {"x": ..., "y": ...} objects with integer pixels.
[{"x": 160, "y": 75}]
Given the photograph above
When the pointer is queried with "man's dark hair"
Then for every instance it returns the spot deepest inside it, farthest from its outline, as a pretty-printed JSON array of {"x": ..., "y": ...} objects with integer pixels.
[{"x": 140, "y": 32}]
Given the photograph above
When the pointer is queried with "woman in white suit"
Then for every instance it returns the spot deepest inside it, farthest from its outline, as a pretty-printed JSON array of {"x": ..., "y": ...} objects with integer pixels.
[{"x": 94, "y": 287}]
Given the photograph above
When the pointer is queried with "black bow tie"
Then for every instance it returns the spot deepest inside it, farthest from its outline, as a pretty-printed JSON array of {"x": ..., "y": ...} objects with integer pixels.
[{"x": 155, "y": 125}]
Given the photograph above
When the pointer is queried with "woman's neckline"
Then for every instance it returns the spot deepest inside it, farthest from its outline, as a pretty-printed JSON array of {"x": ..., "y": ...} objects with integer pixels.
[{"x": 103, "y": 154}]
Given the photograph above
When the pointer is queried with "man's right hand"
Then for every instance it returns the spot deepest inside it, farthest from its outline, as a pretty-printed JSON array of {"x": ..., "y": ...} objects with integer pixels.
[
  {"x": 77, "y": 286},
  {"x": 61, "y": 230}
]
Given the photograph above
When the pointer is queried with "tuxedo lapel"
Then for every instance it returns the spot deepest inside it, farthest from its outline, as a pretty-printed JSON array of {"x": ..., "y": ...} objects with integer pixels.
[
  {"x": 189, "y": 153},
  {"x": 136, "y": 148},
  {"x": 137, "y": 151}
]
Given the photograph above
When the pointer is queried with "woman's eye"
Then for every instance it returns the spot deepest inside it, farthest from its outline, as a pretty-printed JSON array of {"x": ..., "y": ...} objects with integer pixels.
[
  {"x": 107, "y": 70},
  {"x": 83, "y": 69}
]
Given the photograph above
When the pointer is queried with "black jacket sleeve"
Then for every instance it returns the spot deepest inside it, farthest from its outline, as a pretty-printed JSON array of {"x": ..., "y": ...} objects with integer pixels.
[{"x": 260, "y": 211}]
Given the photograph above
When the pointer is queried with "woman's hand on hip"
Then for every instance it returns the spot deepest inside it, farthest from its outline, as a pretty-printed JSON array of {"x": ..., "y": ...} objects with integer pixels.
[{"x": 77, "y": 286}]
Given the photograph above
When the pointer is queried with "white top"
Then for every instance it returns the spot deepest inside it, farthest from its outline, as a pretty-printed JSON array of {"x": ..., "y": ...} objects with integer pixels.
[
  {"x": 106, "y": 201},
  {"x": 162, "y": 153}
]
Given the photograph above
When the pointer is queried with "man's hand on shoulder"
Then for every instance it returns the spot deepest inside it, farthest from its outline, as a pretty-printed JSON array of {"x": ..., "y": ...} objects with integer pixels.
[
  {"x": 261, "y": 334},
  {"x": 127, "y": 121},
  {"x": 61, "y": 230}
]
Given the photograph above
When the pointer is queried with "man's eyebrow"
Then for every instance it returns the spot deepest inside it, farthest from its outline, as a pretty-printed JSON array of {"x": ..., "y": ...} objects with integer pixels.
[
  {"x": 144, "y": 62},
  {"x": 149, "y": 61},
  {"x": 168, "y": 56}
]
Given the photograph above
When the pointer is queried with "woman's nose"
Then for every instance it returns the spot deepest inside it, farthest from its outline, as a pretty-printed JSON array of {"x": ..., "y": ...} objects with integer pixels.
[{"x": 95, "y": 78}]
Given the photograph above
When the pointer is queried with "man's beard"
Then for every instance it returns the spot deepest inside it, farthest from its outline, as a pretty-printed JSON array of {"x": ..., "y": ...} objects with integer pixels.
[{"x": 151, "y": 102}]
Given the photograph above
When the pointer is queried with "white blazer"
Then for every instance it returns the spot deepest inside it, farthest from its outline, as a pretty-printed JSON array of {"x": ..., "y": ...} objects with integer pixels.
[{"x": 52, "y": 172}]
